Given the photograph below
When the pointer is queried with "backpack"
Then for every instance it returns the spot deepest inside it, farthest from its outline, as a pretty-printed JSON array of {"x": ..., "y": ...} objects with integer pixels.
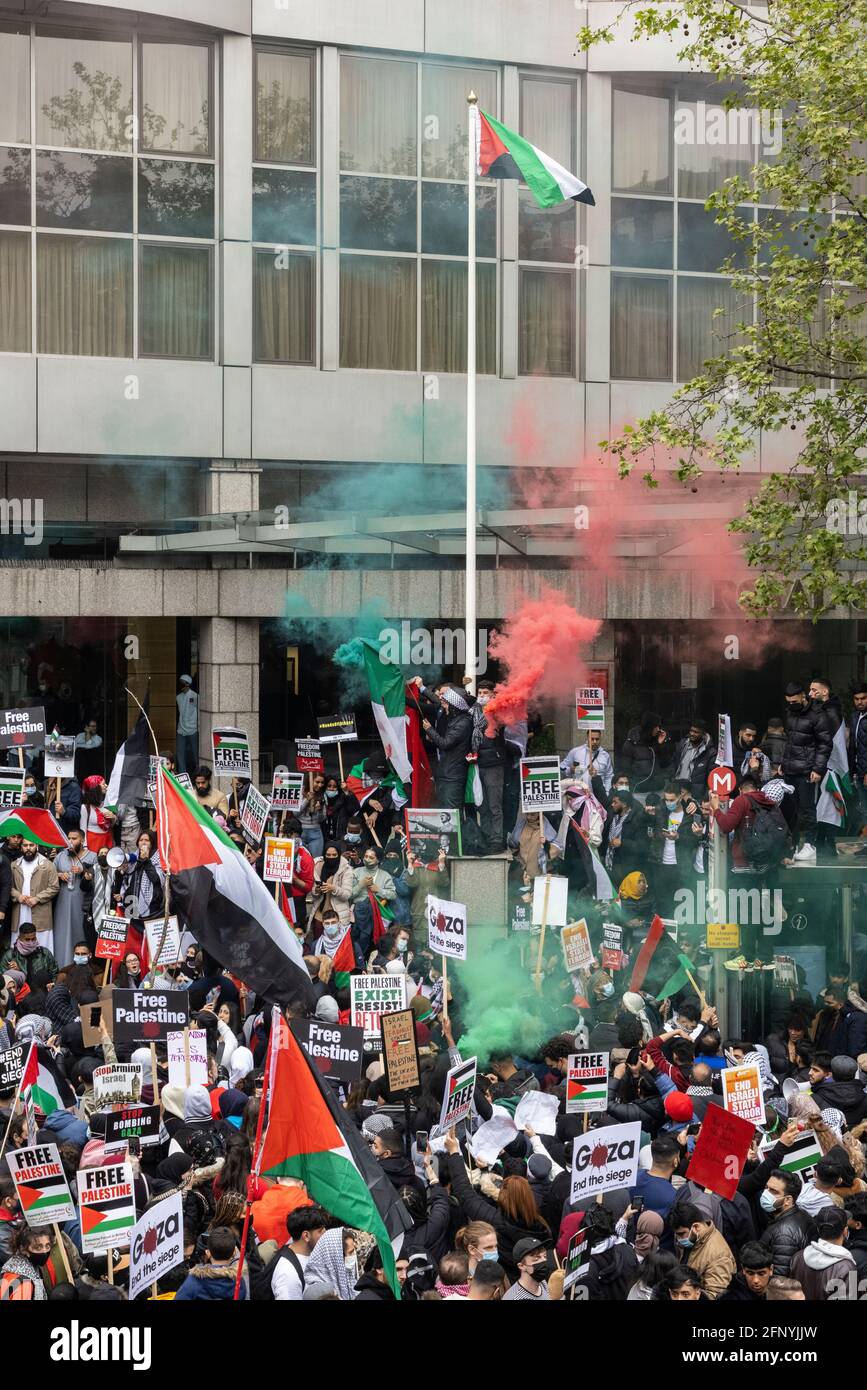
[
  {"x": 284, "y": 1253},
  {"x": 766, "y": 837}
]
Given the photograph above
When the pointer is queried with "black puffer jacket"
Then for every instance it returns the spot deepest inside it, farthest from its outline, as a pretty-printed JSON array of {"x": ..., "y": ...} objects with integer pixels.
[
  {"x": 778, "y": 1052},
  {"x": 808, "y": 742},
  {"x": 644, "y": 761},
  {"x": 848, "y": 1096},
  {"x": 786, "y": 1235},
  {"x": 452, "y": 745}
]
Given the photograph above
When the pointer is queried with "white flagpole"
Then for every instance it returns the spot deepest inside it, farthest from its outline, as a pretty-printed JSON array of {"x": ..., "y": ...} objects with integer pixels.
[{"x": 470, "y": 576}]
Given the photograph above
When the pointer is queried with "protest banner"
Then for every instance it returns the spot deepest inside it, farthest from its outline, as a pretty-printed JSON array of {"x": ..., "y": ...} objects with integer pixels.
[
  {"x": 587, "y": 1083},
  {"x": 431, "y": 829},
  {"x": 723, "y": 936},
  {"x": 372, "y": 995},
  {"x": 801, "y": 1156},
  {"x": 785, "y": 972},
  {"x": 458, "y": 1095},
  {"x": 337, "y": 728},
  {"x": 40, "y": 1184},
  {"x": 146, "y": 1015},
  {"x": 577, "y": 1260},
  {"x": 231, "y": 753},
  {"x": 287, "y": 790},
  {"x": 742, "y": 1093},
  {"x": 308, "y": 755},
  {"x": 59, "y": 756},
  {"x": 720, "y": 1151},
  {"x": 336, "y": 1049},
  {"x": 106, "y": 1207},
  {"x": 254, "y": 816},
  {"x": 133, "y": 1122},
  {"x": 492, "y": 1137},
  {"x": 447, "y": 927},
  {"x": 22, "y": 728},
  {"x": 118, "y": 1084},
  {"x": 111, "y": 938},
  {"x": 521, "y": 916},
  {"x": 11, "y": 1066},
  {"x": 539, "y": 1111},
  {"x": 11, "y": 787},
  {"x": 604, "y": 1160},
  {"x": 613, "y": 957},
  {"x": 188, "y": 1057},
  {"x": 399, "y": 1051},
  {"x": 171, "y": 952},
  {"x": 549, "y": 909},
  {"x": 577, "y": 951},
  {"x": 590, "y": 707},
  {"x": 279, "y": 861},
  {"x": 156, "y": 1243},
  {"x": 540, "y": 784}
]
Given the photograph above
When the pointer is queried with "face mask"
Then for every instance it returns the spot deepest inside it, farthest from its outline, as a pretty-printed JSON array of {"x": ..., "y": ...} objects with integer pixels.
[
  {"x": 370, "y": 864},
  {"x": 768, "y": 1202},
  {"x": 351, "y": 1263},
  {"x": 607, "y": 991},
  {"x": 402, "y": 945},
  {"x": 331, "y": 866},
  {"x": 686, "y": 1242},
  {"x": 352, "y": 839},
  {"x": 670, "y": 804},
  {"x": 29, "y": 791},
  {"x": 331, "y": 794},
  {"x": 490, "y": 1254},
  {"x": 26, "y": 948},
  {"x": 80, "y": 960},
  {"x": 332, "y": 930},
  {"x": 41, "y": 1259}
]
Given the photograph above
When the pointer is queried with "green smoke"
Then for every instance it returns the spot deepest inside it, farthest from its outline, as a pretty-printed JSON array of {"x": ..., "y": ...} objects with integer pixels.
[
  {"x": 500, "y": 1007},
  {"x": 324, "y": 634}
]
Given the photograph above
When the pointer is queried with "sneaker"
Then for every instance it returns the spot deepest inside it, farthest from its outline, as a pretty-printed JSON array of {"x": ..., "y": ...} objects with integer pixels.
[{"x": 805, "y": 855}]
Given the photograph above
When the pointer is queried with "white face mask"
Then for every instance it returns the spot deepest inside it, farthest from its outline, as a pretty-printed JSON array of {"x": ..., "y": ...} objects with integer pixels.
[
  {"x": 402, "y": 945},
  {"x": 80, "y": 960},
  {"x": 332, "y": 930}
]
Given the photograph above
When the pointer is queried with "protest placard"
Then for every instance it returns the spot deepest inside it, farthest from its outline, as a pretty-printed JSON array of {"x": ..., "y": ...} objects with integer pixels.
[
  {"x": 254, "y": 816},
  {"x": 577, "y": 1260},
  {"x": 156, "y": 1243},
  {"x": 604, "y": 1160},
  {"x": 118, "y": 1084},
  {"x": 521, "y": 919},
  {"x": 308, "y": 755},
  {"x": 133, "y": 1122},
  {"x": 540, "y": 784},
  {"x": 111, "y": 938},
  {"x": 59, "y": 755},
  {"x": 91, "y": 1015},
  {"x": 106, "y": 1207},
  {"x": 577, "y": 951},
  {"x": 279, "y": 860},
  {"x": 539, "y": 1111},
  {"x": 720, "y": 1151},
  {"x": 22, "y": 728},
  {"x": 231, "y": 753},
  {"x": 458, "y": 1095},
  {"x": 447, "y": 927},
  {"x": 587, "y": 1083},
  {"x": 399, "y": 1051},
  {"x": 431, "y": 829},
  {"x": 146, "y": 1015},
  {"x": 287, "y": 790},
  {"x": 492, "y": 1137},
  {"x": 800, "y": 1158},
  {"x": 337, "y": 728},
  {"x": 11, "y": 787},
  {"x": 590, "y": 707},
  {"x": 742, "y": 1093},
  {"x": 12, "y": 1065},
  {"x": 372, "y": 995},
  {"x": 40, "y": 1184},
  {"x": 613, "y": 957},
  {"x": 550, "y": 892},
  {"x": 336, "y": 1049},
  {"x": 171, "y": 952},
  {"x": 190, "y": 1067}
]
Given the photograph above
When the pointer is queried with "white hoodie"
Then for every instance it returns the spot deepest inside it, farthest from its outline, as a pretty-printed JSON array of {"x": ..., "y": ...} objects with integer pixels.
[
  {"x": 823, "y": 1253},
  {"x": 812, "y": 1200}
]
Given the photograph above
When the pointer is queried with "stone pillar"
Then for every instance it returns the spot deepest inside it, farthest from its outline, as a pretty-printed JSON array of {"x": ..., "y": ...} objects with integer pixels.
[
  {"x": 229, "y": 485},
  {"x": 229, "y": 681}
]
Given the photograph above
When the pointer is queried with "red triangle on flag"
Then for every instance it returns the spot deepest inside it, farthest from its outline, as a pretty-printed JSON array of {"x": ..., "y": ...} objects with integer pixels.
[
  {"x": 91, "y": 1217},
  {"x": 581, "y": 712},
  {"x": 179, "y": 828},
  {"x": 27, "y": 1196}
]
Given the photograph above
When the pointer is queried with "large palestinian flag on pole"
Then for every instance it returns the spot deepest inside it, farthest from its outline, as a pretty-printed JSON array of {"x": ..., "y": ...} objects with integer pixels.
[
  {"x": 503, "y": 154},
  {"x": 388, "y": 700},
  {"x": 309, "y": 1138},
  {"x": 49, "y": 1089},
  {"x": 226, "y": 905},
  {"x": 35, "y": 825},
  {"x": 836, "y": 785},
  {"x": 128, "y": 783}
]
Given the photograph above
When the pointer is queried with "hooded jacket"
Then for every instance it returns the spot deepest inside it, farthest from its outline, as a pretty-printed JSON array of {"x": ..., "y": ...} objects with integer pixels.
[
  {"x": 808, "y": 742},
  {"x": 401, "y": 1173},
  {"x": 848, "y": 1096},
  {"x": 842, "y": 1033},
  {"x": 644, "y": 762},
  {"x": 739, "y": 816},
  {"x": 452, "y": 745},
  {"x": 213, "y": 1282},
  {"x": 700, "y": 758},
  {"x": 818, "y": 1264},
  {"x": 611, "y": 1272}
]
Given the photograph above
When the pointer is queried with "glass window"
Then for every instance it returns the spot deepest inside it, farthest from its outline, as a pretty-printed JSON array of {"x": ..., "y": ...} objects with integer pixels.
[
  {"x": 798, "y": 240},
  {"x": 15, "y": 186},
  {"x": 706, "y": 157},
  {"x": 701, "y": 332},
  {"x": 641, "y": 142},
  {"x": 444, "y": 317},
  {"x": 284, "y": 107},
  {"x": 284, "y": 206},
  {"x": 642, "y": 233},
  {"x": 444, "y": 219},
  {"x": 641, "y": 327},
  {"x": 175, "y": 97},
  {"x": 284, "y": 290},
  {"x": 15, "y": 292},
  {"x": 545, "y": 234},
  {"x": 546, "y": 337},
  {"x": 84, "y": 295},
  {"x": 378, "y": 103},
  {"x": 175, "y": 302},
  {"x": 175, "y": 198},
  {"x": 703, "y": 244},
  {"x": 548, "y": 117},
  {"x": 90, "y": 192},
  {"x": 83, "y": 92},
  {"x": 378, "y": 313},
  {"x": 444, "y": 129},
  {"x": 14, "y": 85},
  {"x": 378, "y": 214}
]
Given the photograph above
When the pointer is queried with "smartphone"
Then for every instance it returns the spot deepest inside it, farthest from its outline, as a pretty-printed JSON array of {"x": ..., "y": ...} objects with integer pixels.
[
  {"x": 637, "y": 1204},
  {"x": 134, "y": 1146},
  {"x": 213, "y": 995},
  {"x": 693, "y": 1129},
  {"x": 421, "y": 1140}
]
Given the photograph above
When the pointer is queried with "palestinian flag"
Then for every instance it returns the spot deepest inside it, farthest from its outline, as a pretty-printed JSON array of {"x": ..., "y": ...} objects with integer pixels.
[
  {"x": 836, "y": 785},
  {"x": 422, "y": 789},
  {"x": 49, "y": 1089},
  {"x": 226, "y": 905},
  {"x": 362, "y": 784},
  {"x": 35, "y": 825},
  {"x": 128, "y": 783},
  {"x": 586, "y": 1090},
  {"x": 45, "y": 1198},
  {"x": 11, "y": 787},
  {"x": 505, "y": 155},
  {"x": 114, "y": 1214},
  {"x": 473, "y": 794},
  {"x": 383, "y": 916},
  {"x": 343, "y": 960},
  {"x": 310, "y": 1138},
  {"x": 645, "y": 955},
  {"x": 389, "y": 706},
  {"x": 679, "y": 980}
]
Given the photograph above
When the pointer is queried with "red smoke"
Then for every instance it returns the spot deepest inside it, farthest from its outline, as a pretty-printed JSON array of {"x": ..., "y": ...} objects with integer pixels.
[{"x": 541, "y": 648}]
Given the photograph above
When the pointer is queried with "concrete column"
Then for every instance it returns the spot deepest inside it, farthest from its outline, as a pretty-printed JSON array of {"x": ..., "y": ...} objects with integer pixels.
[
  {"x": 229, "y": 485},
  {"x": 229, "y": 680}
]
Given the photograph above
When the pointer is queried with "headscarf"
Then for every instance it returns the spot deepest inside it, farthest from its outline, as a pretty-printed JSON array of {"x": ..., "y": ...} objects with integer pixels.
[
  {"x": 452, "y": 698},
  {"x": 776, "y": 789},
  {"x": 240, "y": 1065},
  {"x": 835, "y": 1121},
  {"x": 232, "y": 1102},
  {"x": 172, "y": 1169},
  {"x": 60, "y": 1007},
  {"x": 629, "y": 887},
  {"x": 327, "y": 1008},
  {"x": 33, "y": 1027},
  {"x": 172, "y": 1098},
  {"x": 89, "y": 787},
  {"x": 326, "y": 1269},
  {"x": 634, "y": 1004},
  {"x": 587, "y": 803},
  {"x": 648, "y": 1228},
  {"x": 197, "y": 1104},
  {"x": 142, "y": 1056},
  {"x": 568, "y": 1227}
]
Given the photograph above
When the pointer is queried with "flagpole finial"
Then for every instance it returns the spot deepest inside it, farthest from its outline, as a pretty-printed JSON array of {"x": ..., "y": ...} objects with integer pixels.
[{"x": 472, "y": 99}]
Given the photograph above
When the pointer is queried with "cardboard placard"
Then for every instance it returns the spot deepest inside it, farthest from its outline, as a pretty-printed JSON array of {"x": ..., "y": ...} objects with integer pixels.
[
  {"x": 577, "y": 951},
  {"x": 106, "y": 1207},
  {"x": 724, "y": 936},
  {"x": 337, "y": 728},
  {"x": 540, "y": 784},
  {"x": 604, "y": 1160},
  {"x": 147, "y": 1015},
  {"x": 431, "y": 829},
  {"x": 197, "y": 1049},
  {"x": 590, "y": 707},
  {"x": 41, "y": 1185},
  {"x": 254, "y": 816},
  {"x": 742, "y": 1093},
  {"x": 801, "y": 1157},
  {"x": 171, "y": 952},
  {"x": 59, "y": 755},
  {"x": 447, "y": 927},
  {"x": 91, "y": 1016},
  {"x": 22, "y": 728},
  {"x": 111, "y": 939},
  {"x": 287, "y": 791},
  {"x": 12, "y": 787},
  {"x": 613, "y": 957},
  {"x": 372, "y": 995},
  {"x": 118, "y": 1084},
  {"x": 399, "y": 1051},
  {"x": 336, "y": 1049},
  {"x": 156, "y": 1243},
  {"x": 720, "y": 1151},
  {"x": 522, "y": 914},
  {"x": 279, "y": 861},
  {"x": 133, "y": 1122},
  {"x": 12, "y": 1065},
  {"x": 577, "y": 1260},
  {"x": 308, "y": 755},
  {"x": 231, "y": 753},
  {"x": 551, "y": 907},
  {"x": 587, "y": 1083},
  {"x": 458, "y": 1095}
]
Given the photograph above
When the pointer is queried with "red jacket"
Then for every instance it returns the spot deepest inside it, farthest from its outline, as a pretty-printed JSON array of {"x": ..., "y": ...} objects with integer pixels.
[
  {"x": 661, "y": 1062},
  {"x": 738, "y": 816},
  {"x": 304, "y": 870}
]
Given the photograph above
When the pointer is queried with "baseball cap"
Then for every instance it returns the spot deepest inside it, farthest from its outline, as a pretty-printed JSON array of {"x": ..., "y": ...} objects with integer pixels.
[
  {"x": 525, "y": 1247},
  {"x": 186, "y": 680}
]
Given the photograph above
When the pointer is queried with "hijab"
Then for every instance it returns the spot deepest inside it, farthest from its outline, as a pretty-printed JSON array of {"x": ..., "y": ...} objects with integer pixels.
[
  {"x": 240, "y": 1065},
  {"x": 648, "y": 1229},
  {"x": 172, "y": 1098},
  {"x": 629, "y": 887},
  {"x": 197, "y": 1105}
]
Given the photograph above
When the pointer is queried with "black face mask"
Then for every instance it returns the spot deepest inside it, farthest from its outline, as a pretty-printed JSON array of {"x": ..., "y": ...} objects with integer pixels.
[{"x": 41, "y": 1259}]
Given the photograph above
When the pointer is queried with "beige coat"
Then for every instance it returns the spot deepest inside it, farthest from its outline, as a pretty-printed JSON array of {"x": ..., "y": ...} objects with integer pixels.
[
  {"x": 713, "y": 1262},
  {"x": 44, "y": 886}
]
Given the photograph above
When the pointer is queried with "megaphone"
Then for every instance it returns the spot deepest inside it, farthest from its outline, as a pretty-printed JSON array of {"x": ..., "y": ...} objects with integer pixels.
[
  {"x": 790, "y": 1090},
  {"x": 115, "y": 857}
]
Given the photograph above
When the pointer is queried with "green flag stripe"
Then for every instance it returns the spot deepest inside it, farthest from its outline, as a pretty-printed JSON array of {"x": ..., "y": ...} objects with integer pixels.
[{"x": 538, "y": 179}]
